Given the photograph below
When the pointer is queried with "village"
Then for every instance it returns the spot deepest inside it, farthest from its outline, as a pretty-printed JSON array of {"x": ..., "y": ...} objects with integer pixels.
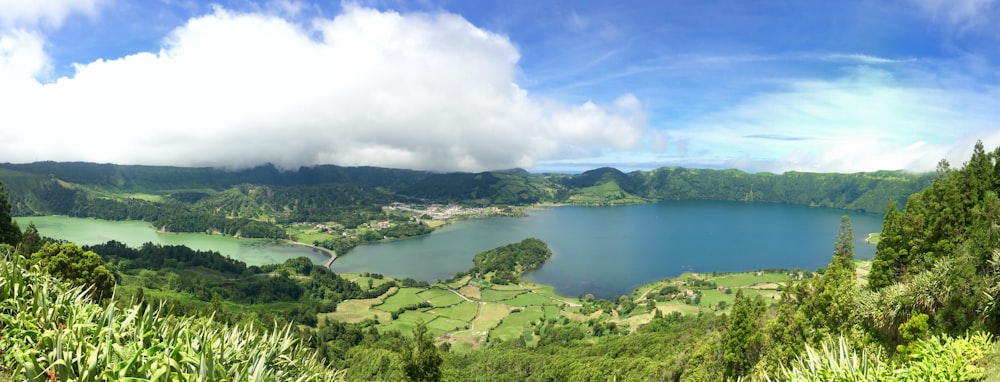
[
  {"x": 434, "y": 215},
  {"x": 444, "y": 211}
]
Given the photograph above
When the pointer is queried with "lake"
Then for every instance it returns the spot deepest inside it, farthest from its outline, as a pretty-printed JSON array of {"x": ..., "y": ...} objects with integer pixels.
[
  {"x": 609, "y": 251},
  {"x": 135, "y": 233}
]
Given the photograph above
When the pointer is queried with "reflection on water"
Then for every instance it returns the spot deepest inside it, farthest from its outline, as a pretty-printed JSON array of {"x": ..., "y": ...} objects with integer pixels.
[
  {"x": 135, "y": 233},
  {"x": 609, "y": 251}
]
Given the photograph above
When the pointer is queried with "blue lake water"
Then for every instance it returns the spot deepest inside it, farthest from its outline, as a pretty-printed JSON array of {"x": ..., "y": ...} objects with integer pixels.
[{"x": 609, "y": 251}]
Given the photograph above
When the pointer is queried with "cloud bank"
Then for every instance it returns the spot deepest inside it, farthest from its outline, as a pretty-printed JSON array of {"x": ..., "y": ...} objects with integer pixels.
[
  {"x": 867, "y": 120},
  {"x": 422, "y": 91}
]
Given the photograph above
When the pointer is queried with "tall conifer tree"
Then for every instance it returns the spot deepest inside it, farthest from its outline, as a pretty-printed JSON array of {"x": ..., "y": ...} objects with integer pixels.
[{"x": 10, "y": 233}]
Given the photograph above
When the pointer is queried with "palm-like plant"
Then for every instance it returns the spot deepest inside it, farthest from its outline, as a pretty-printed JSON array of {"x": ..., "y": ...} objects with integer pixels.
[{"x": 49, "y": 331}]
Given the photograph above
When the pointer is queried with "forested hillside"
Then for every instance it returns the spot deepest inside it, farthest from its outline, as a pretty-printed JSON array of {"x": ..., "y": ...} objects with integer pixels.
[{"x": 177, "y": 198}]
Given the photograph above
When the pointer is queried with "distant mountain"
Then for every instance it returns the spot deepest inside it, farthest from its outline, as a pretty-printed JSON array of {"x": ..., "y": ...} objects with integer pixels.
[
  {"x": 158, "y": 178},
  {"x": 597, "y": 177},
  {"x": 312, "y": 193},
  {"x": 602, "y": 186},
  {"x": 487, "y": 188}
]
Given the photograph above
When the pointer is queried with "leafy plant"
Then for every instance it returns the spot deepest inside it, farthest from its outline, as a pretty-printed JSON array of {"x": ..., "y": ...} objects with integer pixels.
[
  {"x": 939, "y": 358},
  {"x": 49, "y": 331}
]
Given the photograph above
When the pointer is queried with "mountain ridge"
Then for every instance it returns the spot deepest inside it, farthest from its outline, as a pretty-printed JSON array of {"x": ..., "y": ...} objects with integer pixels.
[{"x": 61, "y": 187}]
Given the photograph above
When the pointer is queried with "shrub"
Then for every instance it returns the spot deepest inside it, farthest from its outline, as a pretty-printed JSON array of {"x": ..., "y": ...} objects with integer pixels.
[{"x": 50, "y": 331}]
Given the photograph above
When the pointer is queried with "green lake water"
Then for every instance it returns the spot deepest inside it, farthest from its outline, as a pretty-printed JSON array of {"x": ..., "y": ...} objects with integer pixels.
[
  {"x": 609, "y": 251},
  {"x": 135, "y": 233}
]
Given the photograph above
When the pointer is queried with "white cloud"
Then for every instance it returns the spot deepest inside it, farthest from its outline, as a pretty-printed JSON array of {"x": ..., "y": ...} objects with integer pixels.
[
  {"x": 862, "y": 122},
  {"x": 427, "y": 91},
  {"x": 48, "y": 13},
  {"x": 22, "y": 56},
  {"x": 959, "y": 15}
]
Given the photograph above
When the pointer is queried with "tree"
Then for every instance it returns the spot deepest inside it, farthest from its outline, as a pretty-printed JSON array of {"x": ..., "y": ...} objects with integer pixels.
[
  {"x": 76, "y": 266},
  {"x": 742, "y": 343},
  {"x": 830, "y": 306},
  {"x": 890, "y": 262},
  {"x": 785, "y": 333},
  {"x": 31, "y": 241},
  {"x": 10, "y": 233},
  {"x": 422, "y": 363}
]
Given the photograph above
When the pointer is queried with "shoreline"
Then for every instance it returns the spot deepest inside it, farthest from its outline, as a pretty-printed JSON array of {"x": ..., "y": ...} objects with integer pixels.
[{"x": 329, "y": 252}]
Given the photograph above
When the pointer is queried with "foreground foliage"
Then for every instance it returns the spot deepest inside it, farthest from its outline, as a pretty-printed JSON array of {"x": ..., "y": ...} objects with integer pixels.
[
  {"x": 49, "y": 331},
  {"x": 939, "y": 358}
]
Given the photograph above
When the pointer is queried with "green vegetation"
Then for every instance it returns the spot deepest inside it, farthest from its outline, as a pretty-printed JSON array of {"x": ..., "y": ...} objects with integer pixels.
[
  {"x": 506, "y": 264},
  {"x": 75, "y": 266},
  {"x": 251, "y": 201},
  {"x": 51, "y": 331},
  {"x": 10, "y": 233},
  {"x": 923, "y": 309}
]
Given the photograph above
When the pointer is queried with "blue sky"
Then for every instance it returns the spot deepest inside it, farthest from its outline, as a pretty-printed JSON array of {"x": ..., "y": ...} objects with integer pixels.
[{"x": 476, "y": 85}]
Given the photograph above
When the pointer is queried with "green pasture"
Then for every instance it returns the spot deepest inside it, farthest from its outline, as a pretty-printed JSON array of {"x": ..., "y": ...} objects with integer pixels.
[
  {"x": 460, "y": 282},
  {"x": 529, "y": 299},
  {"x": 403, "y": 297},
  {"x": 749, "y": 279},
  {"x": 551, "y": 311},
  {"x": 517, "y": 323},
  {"x": 465, "y": 311},
  {"x": 440, "y": 297},
  {"x": 445, "y": 325},
  {"x": 408, "y": 320},
  {"x": 306, "y": 234},
  {"x": 494, "y": 295},
  {"x": 489, "y": 316},
  {"x": 506, "y": 287}
]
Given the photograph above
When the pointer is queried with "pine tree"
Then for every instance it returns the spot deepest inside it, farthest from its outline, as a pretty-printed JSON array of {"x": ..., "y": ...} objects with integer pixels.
[
  {"x": 890, "y": 262},
  {"x": 423, "y": 363},
  {"x": 830, "y": 306},
  {"x": 10, "y": 233},
  {"x": 743, "y": 342},
  {"x": 785, "y": 332},
  {"x": 31, "y": 241}
]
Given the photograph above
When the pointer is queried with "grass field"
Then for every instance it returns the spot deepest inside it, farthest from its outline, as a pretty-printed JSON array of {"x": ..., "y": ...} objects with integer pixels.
[
  {"x": 748, "y": 279},
  {"x": 363, "y": 281},
  {"x": 445, "y": 324},
  {"x": 678, "y": 306},
  {"x": 146, "y": 197},
  {"x": 551, "y": 311},
  {"x": 506, "y": 312},
  {"x": 506, "y": 287},
  {"x": 408, "y": 320},
  {"x": 873, "y": 238},
  {"x": 356, "y": 311},
  {"x": 489, "y": 316},
  {"x": 440, "y": 297},
  {"x": 465, "y": 311},
  {"x": 528, "y": 299},
  {"x": 494, "y": 295},
  {"x": 359, "y": 310},
  {"x": 404, "y": 297},
  {"x": 460, "y": 282},
  {"x": 470, "y": 291},
  {"x": 306, "y": 234},
  {"x": 517, "y": 323},
  {"x": 711, "y": 298}
]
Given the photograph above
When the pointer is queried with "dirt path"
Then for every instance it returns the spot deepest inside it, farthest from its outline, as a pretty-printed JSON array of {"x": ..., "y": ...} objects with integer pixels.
[
  {"x": 643, "y": 297},
  {"x": 573, "y": 304},
  {"x": 460, "y": 295}
]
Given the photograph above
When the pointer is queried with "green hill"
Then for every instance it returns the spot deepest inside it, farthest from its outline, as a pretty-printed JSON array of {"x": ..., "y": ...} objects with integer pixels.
[{"x": 261, "y": 202}]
